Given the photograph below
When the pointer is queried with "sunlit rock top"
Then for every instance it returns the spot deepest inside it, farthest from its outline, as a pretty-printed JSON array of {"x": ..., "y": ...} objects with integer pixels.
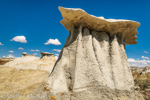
[
  {"x": 77, "y": 17},
  {"x": 24, "y": 54},
  {"x": 46, "y": 54}
]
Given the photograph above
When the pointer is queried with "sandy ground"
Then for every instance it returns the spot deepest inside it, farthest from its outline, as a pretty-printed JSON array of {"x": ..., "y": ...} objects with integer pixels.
[
  {"x": 24, "y": 84},
  {"x": 19, "y": 84}
]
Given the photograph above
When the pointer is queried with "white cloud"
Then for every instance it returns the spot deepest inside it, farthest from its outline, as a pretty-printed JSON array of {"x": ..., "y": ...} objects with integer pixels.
[
  {"x": 56, "y": 57},
  {"x": 11, "y": 56},
  {"x": 35, "y": 50},
  {"x": 145, "y": 57},
  {"x": 145, "y": 52},
  {"x": 11, "y": 51},
  {"x": 21, "y": 39},
  {"x": 1, "y": 43},
  {"x": 35, "y": 54},
  {"x": 53, "y": 41},
  {"x": 138, "y": 63},
  {"x": 58, "y": 50},
  {"x": 20, "y": 48},
  {"x": 57, "y": 54},
  {"x": 2, "y": 49}
]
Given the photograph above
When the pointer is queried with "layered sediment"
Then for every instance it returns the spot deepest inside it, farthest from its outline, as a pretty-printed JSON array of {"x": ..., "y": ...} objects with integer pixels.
[
  {"x": 30, "y": 61},
  {"x": 4, "y": 60},
  {"x": 21, "y": 62},
  {"x": 93, "y": 63},
  {"x": 141, "y": 78}
]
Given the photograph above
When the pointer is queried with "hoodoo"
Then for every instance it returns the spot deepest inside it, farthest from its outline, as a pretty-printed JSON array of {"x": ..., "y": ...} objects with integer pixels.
[
  {"x": 46, "y": 54},
  {"x": 93, "y": 63},
  {"x": 24, "y": 54}
]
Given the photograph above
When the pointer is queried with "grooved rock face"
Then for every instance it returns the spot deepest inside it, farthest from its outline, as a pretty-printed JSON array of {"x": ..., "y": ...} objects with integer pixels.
[{"x": 93, "y": 64}]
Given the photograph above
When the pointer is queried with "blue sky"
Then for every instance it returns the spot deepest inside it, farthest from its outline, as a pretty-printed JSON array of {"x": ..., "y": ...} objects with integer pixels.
[{"x": 37, "y": 21}]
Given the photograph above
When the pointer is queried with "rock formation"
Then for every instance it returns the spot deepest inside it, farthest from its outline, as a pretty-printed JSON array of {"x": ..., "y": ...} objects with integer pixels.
[
  {"x": 136, "y": 69},
  {"x": 46, "y": 62},
  {"x": 93, "y": 64},
  {"x": 30, "y": 61},
  {"x": 46, "y": 54},
  {"x": 22, "y": 62},
  {"x": 5, "y": 60},
  {"x": 141, "y": 73},
  {"x": 141, "y": 78},
  {"x": 146, "y": 69},
  {"x": 24, "y": 54},
  {"x": 21, "y": 78}
]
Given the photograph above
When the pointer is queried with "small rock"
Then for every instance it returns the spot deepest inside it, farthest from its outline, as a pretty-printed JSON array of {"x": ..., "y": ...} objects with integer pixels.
[
  {"x": 62, "y": 93},
  {"x": 46, "y": 88},
  {"x": 52, "y": 97}
]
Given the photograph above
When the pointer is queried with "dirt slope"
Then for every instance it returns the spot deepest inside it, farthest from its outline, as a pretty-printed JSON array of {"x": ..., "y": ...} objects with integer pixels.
[{"x": 20, "y": 84}]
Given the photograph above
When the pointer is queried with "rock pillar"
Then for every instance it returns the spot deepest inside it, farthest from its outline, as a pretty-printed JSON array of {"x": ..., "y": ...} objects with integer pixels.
[
  {"x": 93, "y": 63},
  {"x": 24, "y": 54}
]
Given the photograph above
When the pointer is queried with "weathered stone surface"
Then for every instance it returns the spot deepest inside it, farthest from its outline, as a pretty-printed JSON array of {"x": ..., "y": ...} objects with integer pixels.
[
  {"x": 46, "y": 54},
  {"x": 146, "y": 69},
  {"x": 21, "y": 62},
  {"x": 44, "y": 63},
  {"x": 76, "y": 17},
  {"x": 136, "y": 69},
  {"x": 24, "y": 54},
  {"x": 141, "y": 78},
  {"x": 29, "y": 61},
  {"x": 5, "y": 60},
  {"x": 93, "y": 64}
]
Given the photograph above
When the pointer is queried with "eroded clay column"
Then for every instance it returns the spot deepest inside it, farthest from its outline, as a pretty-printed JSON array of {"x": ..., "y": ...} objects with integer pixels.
[{"x": 93, "y": 64}]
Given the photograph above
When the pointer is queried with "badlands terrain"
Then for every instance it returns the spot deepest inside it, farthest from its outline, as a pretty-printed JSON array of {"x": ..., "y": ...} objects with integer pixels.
[
  {"x": 5, "y": 60},
  {"x": 141, "y": 78},
  {"x": 21, "y": 76},
  {"x": 19, "y": 84},
  {"x": 92, "y": 65},
  {"x": 46, "y": 62}
]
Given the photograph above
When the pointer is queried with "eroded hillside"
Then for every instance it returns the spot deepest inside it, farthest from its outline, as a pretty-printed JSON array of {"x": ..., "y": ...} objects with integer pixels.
[{"x": 141, "y": 78}]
